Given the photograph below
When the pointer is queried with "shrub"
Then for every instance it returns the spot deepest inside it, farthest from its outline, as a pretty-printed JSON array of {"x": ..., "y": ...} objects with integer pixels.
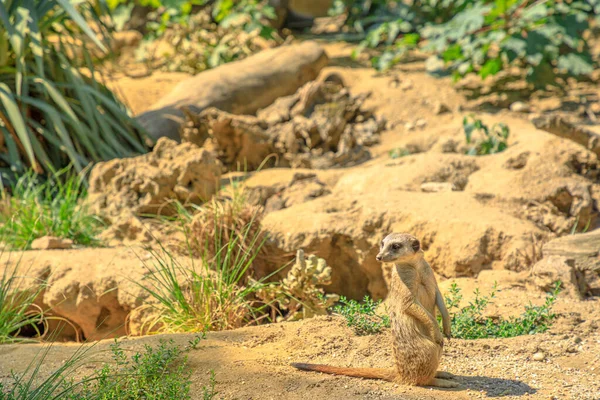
[
  {"x": 544, "y": 38},
  {"x": 51, "y": 114},
  {"x": 491, "y": 141},
  {"x": 159, "y": 373},
  {"x": 362, "y": 317},
  {"x": 299, "y": 295},
  {"x": 213, "y": 34},
  {"x": 469, "y": 322},
  {"x": 481, "y": 36},
  {"x": 50, "y": 206}
]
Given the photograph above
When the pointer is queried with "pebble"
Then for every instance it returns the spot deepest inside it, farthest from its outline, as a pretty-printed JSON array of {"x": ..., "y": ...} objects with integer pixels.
[
  {"x": 539, "y": 356},
  {"x": 519, "y": 106},
  {"x": 51, "y": 243},
  {"x": 406, "y": 85},
  {"x": 435, "y": 187},
  {"x": 421, "y": 123},
  {"x": 440, "y": 108}
]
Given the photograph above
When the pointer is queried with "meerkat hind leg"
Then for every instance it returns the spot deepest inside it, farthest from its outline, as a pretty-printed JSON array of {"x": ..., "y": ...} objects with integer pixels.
[
  {"x": 444, "y": 375},
  {"x": 442, "y": 383}
]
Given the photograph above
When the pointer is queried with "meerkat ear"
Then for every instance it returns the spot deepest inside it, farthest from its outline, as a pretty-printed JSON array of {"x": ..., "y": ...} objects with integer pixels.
[{"x": 416, "y": 245}]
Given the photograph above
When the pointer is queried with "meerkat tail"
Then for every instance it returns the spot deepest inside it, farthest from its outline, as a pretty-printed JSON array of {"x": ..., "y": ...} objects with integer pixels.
[{"x": 367, "y": 373}]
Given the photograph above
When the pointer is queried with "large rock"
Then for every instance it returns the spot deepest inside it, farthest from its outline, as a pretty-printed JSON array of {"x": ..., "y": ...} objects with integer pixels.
[
  {"x": 93, "y": 289},
  {"x": 148, "y": 183},
  {"x": 583, "y": 248},
  {"x": 550, "y": 270},
  {"x": 461, "y": 235},
  {"x": 240, "y": 87}
]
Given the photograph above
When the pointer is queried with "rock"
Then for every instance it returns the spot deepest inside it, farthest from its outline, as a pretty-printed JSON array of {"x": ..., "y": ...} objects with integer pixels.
[
  {"x": 539, "y": 356},
  {"x": 51, "y": 243},
  {"x": 93, "y": 289},
  {"x": 321, "y": 126},
  {"x": 583, "y": 248},
  {"x": 126, "y": 229},
  {"x": 559, "y": 197},
  {"x": 440, "y": 108},
  {"x": 435, "y": 187},
  {"x": 240, "y": 87},
  {"x": 517, "y": 162},
  {"x": 519, "y": 106},
  {"x": 434, "y": 65},
  {"x": 409, "y": 126},
  {"x": 546, "y": 272},
  {"x": 421, "y": 123},
  {"x": 146, "y": 184},
  {"x": 462, "y": 236},
  {"x": 311, "y": 8},
  {"x": 556, "y": 125},
  {"x": 302, "y": 188}
]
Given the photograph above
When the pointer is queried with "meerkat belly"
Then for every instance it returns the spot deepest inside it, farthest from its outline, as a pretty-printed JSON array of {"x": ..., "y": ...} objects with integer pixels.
[{"x": 417, "y": 357}]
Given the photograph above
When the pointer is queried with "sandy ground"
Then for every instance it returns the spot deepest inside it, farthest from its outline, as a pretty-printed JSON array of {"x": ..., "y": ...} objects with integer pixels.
[{"x": 253, "y": 363}]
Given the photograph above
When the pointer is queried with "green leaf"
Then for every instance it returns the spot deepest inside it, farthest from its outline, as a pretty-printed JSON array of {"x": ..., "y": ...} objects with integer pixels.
[
  {"x": 453, "y": 52},
  {"x": 16, "y": 118},
  {"x": 491, "y": 67},
  {"x": 575, "y": 64},
  {"x": 80, "y": 21},
  {"x": 121, "y": 15},
  {"x": 514, "y": 47}
]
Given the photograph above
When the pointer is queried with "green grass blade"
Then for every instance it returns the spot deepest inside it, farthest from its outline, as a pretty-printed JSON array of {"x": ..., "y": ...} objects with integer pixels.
[
  {"x": 14, "y": 114},
  {"x": 80, "y": 21}
]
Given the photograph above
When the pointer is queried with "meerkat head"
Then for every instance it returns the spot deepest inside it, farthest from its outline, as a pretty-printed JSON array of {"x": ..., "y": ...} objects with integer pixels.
[{"x": 398, "y": 247}]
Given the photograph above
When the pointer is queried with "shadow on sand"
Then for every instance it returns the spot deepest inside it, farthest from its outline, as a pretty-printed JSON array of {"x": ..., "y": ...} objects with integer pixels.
[{"x": 494, "y": 387}]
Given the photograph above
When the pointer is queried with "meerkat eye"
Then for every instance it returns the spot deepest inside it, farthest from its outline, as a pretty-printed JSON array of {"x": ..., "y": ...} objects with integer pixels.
[
  {"x": 397, "y": 246},
  {"x": 382, "y": 243}
]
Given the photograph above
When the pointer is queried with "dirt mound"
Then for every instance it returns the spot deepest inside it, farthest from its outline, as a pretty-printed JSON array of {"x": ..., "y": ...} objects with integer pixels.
[
  {"x": 146, "y": 184},
  {"x": 94, "y": 289}
]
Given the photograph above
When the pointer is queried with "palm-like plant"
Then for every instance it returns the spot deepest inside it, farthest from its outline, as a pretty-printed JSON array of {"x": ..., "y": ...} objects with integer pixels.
[{"x": 54, "y": 111}]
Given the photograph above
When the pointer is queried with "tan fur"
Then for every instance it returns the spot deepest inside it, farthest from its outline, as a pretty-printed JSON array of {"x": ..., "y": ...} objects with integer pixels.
[{"x": 412, "y": 300}]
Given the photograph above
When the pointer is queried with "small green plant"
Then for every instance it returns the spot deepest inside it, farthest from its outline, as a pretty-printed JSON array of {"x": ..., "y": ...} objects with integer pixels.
[
  {"x": 470, "y": 323},
  {"x": 362, "y": 317},
  {"x": 159, "y": 373},
  {"x": 399, "y": 152},
  {"x": 491, "y": 141},
  {"x": 17, "y": 304},
  {"x": 48, "y": 206}
]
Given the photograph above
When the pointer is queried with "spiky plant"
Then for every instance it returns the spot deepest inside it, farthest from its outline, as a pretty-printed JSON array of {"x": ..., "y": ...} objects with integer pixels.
[{"x": 54, "y": 110}]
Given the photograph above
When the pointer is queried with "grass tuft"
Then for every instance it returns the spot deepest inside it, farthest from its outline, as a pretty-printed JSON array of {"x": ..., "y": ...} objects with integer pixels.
[
  {"x": 212, "y": 293},
  {"x": 469, "y": 322},
  {"x": 17, "y": 304},
  {"x": 362, "y": 317},
  {"x": 40, "y": 207}
]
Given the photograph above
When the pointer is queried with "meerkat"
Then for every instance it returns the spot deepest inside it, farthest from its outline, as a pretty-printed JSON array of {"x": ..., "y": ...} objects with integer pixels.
[{"x": 412, "y": 300}]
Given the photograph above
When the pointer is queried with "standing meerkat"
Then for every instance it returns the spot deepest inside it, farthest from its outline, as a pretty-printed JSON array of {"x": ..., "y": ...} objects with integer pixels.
[{"x": 412, "y": 300}]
